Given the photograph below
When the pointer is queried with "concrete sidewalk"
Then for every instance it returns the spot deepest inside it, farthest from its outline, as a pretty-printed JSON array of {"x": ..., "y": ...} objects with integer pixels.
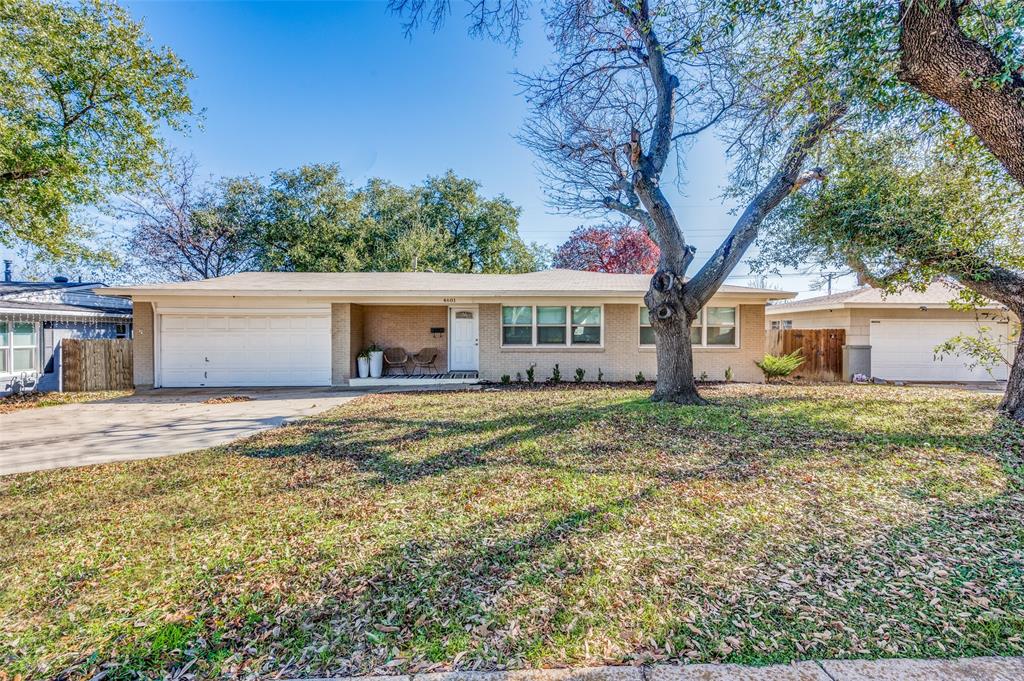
[{"x": 971, "y": 669}]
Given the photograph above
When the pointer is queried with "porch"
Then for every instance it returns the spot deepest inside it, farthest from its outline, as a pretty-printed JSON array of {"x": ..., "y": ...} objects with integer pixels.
[
  {"x": 448, "y": 333},
  {"x": 446, "y": 378}
]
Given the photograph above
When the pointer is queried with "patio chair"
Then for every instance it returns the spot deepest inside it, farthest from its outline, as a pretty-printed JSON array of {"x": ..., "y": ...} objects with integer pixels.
[
  {"x": 424, "y": 359},
  {"x": 395, "y": 358}
]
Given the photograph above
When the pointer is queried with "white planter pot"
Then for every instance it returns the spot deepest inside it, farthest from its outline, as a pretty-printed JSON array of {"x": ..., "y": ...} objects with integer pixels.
[
  {"x": 364, "y": 367},
  {"x": 376, "y": 364}
]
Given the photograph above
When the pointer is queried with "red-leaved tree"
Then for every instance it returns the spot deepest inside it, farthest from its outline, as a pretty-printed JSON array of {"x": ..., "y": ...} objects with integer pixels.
[{"x": 617, "y": 249}]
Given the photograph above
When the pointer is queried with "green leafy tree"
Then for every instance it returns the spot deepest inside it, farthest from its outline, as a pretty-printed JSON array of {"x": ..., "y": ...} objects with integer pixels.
[
  {"x": 903, "y": 216},
  {"x": 314, "y": 222},
  {"x": 317, "y": 222},
  {"x": 83, "y": 97}
]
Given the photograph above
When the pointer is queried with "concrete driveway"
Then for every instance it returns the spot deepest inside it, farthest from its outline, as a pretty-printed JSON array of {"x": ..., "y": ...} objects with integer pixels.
[{"x": 148, "y": 424}]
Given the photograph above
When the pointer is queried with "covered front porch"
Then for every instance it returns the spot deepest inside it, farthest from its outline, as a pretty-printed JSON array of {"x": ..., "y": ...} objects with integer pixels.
[{"x": 423, "y": 344}]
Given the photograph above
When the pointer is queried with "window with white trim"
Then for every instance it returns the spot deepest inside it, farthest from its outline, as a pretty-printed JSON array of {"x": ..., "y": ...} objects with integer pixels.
[
  {"x": 586, "y": 325},
  {"x": 778, "y": 324},
  {"x": 551, "y": 325},
  {"x": 517, "y": 325},
  {"x": 712, "y": 327},
  {"x": 19, "y": 347}
]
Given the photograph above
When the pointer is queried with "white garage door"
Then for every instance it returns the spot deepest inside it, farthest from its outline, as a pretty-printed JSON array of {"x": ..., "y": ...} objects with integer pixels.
[
  {"x": 904, "y": 350},
  {"x": 206, "y": 350}
]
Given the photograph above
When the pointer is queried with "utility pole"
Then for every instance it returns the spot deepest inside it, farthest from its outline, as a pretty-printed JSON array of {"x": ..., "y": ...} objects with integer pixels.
[{"x": 829, "y": 275}]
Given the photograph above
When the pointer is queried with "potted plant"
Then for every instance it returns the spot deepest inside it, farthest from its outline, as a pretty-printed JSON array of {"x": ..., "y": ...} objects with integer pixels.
[
  {"x": 376, "y": 355},
  {"x": 363, "y": 362}
]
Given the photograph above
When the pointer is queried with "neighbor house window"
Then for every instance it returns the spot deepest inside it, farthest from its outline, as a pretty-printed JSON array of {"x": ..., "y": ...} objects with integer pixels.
[
  {"x": 782, "y": 324},
  {"x": 713, "y": 326},
  {"x": 517, "y": 325},
  {"x": 19, "y": 347},
  {"x": 551, "y": 325}
]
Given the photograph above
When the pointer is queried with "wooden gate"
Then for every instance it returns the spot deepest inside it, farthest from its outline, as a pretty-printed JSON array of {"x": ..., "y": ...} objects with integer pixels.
[
  {"x": 102, "y": 364},
  {"x": 822, "y": 351}
]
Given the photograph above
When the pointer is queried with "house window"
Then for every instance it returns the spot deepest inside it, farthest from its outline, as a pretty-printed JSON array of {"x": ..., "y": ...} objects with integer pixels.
[
  {"x": 721, "y": 326},
  {"x": 782, "y": 324},
  {"x": 121, "y": 331},
  {"x": 517, "y": 325},
  {"x": 586, "y": 325},
  {"x": 646, "y": 332},
  {"x": 712, "y": 327},
  {"x": 19, "y": 347},
  {"x": 551, "y": 325}
]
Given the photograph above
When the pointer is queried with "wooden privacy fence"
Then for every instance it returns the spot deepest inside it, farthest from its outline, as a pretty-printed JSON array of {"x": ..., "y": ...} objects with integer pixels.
[
  {"x": 88, "y": 365},
  {"x": 822, "y": 351}
]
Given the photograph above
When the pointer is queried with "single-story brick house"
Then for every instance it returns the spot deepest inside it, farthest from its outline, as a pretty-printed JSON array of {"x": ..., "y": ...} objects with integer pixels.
[
  {"x": 36, "y": 315},
  {"x": 893, "y": 336},
  {"x": 306, "y": 329}
]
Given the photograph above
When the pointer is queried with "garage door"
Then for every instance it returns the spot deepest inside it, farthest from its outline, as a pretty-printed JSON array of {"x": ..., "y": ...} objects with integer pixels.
[
  {"x": 904, "y": 350},
  {"x": 205, "y": 350}
]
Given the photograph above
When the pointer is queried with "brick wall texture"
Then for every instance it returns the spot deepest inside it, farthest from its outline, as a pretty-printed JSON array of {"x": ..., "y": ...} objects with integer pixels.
[
  {"x": 142, "y": 344},
  {"x": 621, "y": 357},
  {"x": 407, "y": 326}
]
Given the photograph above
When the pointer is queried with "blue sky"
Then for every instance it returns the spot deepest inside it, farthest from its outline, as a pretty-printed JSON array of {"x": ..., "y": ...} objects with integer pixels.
[{"x": 287, "y": 83}]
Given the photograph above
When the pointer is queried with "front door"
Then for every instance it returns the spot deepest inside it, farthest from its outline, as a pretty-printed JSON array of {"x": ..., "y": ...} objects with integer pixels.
[{"x": 464, "y": 340}]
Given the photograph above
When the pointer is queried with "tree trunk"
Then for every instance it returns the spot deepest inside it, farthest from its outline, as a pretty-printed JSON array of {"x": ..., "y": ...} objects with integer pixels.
[
  {"x": 1013, "y": 398},
  {"x": 671, "y": 318}
]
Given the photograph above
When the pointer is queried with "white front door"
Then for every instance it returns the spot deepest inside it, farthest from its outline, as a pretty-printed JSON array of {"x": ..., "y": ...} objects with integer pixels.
[{"x": 463, "y": 339}]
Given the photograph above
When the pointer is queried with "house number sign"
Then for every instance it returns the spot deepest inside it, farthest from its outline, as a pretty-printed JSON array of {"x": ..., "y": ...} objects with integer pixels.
[{"x": 449, "y": 300}]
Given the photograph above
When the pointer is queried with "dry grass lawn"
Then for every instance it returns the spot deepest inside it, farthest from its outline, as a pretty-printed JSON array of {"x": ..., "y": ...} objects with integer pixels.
[{"x": 516, "y": 528}]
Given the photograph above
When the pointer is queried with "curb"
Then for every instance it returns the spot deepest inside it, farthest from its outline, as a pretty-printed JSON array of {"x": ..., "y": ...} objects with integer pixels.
[{"x": 966, "y": 669}]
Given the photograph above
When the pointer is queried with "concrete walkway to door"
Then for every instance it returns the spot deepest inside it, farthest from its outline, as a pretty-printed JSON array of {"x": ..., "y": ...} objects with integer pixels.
[{"x": 148, "y": 424}]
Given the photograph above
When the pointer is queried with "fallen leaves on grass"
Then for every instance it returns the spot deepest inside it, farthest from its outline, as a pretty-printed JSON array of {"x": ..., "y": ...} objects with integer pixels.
[
  {"x": 32, "y": 400},
  {"x": 516, "y": 528}
]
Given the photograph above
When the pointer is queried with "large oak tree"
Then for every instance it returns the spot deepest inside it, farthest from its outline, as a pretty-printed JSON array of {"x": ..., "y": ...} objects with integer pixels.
[{"x": 633, "y": 83}]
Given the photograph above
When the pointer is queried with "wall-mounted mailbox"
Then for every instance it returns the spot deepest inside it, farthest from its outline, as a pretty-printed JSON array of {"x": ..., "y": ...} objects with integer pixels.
[{"x": 437, "y": 330}]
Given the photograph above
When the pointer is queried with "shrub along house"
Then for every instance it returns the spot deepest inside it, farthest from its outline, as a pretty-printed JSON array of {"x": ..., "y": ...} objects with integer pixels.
[
  {"x": 36, "y": 315},
  {"x": 306, "y": 329}
]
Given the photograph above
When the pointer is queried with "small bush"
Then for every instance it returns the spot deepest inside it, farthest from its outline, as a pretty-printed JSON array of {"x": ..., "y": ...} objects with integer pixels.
[
  {"x": 703, "y": 377},
  {"x": 531, "y": 374},
  {"x": 600, "y": 375},
  {"x": 640, "y": 377},
  {"x": 556, "y": 376},
  {"x": 505, "y": 379},
  {"x": 519, "y": 377},
  {"x": 780, "y": 366},
  {"x": 580, "y": 373},
  {"x": 728, "y": 374}
]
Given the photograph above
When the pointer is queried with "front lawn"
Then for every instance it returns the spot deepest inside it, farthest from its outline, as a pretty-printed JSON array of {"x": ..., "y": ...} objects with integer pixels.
[
  {"x": 13, "y": 403},
  {"x": 481, "y": 530}
]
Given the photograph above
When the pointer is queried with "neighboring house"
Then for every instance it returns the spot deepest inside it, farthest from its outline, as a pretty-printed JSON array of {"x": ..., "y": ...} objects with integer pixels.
[
  {"x": 894, "y": 336},
  {"x": 35, "y": 316},
  {"x": 292, "y": 329}
]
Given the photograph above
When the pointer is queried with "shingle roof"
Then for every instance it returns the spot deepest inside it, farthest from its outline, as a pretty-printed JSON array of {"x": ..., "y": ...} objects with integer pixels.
[
  {"x": 938, "y": 294},
  {"x": 42, "y": 307},
  {"x": 9, "y": 288},
  {"x": 547, "y": 282}
]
